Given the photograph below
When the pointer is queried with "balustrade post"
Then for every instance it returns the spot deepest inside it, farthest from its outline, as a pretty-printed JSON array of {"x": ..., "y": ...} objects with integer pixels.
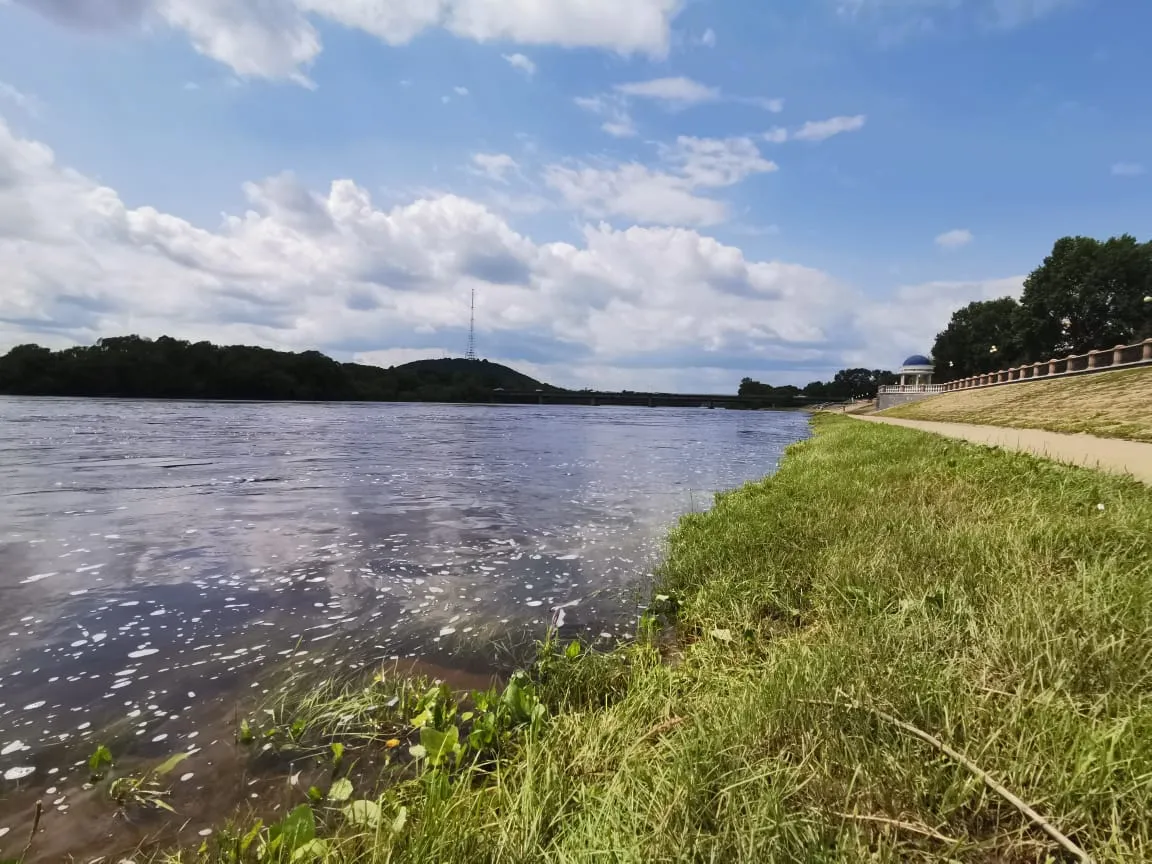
[
  {"x": 1052, "y": 364},
  {"x": 1146, "y": 354},
  {"x": 1118, "y": 355},
  {"x": 1093, "y": 359}
]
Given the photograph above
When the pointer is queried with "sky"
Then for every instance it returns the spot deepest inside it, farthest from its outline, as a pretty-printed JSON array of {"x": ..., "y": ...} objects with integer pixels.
[{"x": 643, "y": 194}]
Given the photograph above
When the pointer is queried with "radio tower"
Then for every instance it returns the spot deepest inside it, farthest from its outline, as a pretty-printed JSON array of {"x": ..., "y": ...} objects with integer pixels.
[{"x": 471, "y": 355}]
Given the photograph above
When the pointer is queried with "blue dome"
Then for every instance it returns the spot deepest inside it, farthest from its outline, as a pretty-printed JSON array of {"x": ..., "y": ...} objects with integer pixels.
[{"x": 917, "y": 360}]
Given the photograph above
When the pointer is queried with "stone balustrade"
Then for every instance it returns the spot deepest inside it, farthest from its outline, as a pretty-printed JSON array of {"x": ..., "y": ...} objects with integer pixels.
[{"x": 1122, "y": 356}]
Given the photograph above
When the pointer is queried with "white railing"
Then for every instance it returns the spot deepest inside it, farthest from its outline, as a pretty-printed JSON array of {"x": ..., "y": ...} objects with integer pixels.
[{"x": 913, "y": 388}]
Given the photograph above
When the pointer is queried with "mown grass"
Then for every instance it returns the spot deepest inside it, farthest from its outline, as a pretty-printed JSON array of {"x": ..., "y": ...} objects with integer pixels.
[
  {"x": 1108, "y": 404},
  {"x": 996, "y": 601}
]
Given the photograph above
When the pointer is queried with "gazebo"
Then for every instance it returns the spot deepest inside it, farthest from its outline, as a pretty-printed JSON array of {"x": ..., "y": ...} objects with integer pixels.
[{"x": 916, "y": 371}]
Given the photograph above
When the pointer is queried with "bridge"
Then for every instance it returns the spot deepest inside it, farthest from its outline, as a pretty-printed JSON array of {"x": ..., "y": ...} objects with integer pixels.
[{"x": 649, "y": 400}]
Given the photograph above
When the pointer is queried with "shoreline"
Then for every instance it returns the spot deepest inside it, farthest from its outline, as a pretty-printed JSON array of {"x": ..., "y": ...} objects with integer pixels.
[{"x": 995, "y": 601}]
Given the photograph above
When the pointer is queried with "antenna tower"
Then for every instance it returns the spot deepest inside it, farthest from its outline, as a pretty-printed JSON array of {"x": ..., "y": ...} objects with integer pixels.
[{"x": 471, "y": 355}]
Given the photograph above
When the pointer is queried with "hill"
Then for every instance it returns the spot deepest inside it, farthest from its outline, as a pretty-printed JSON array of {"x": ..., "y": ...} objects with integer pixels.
[
  {"x": 167, "y": 368},
  {"x": 1107, "y": 404}
]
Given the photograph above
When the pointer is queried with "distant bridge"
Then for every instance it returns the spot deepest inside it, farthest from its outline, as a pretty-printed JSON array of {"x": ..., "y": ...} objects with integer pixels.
[{"x": 650, "y": 400}]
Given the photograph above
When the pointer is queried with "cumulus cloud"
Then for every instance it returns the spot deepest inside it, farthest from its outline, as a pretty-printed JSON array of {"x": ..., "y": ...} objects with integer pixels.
[
  {"x": 954, "y": 239},
  {"x": 304, "y": 268},
  {"x": 495, "y": 166},
  {"x": 908, "y": 322},
  {"x": 672, "y": 91},
  {"x": 666, "y": 195},
  {"x": 618, "y": 121},
  {"x": 1128, "y": 169},
  {"x": 277, "y": 38},
  {"x": 821, "y": 130},
  {"x": 708, "y": 38},
  {"x": 519, "y": 61}
]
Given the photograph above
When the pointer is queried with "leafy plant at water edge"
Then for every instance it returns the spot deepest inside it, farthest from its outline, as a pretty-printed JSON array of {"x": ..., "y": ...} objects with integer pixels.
[
  {"x": 144, "y": 790},
  {"x": 98, "y": 763}
]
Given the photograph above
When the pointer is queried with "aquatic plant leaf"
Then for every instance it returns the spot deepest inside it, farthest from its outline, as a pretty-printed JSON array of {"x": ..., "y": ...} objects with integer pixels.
[
  {"x": 439, "y": 745},
  {"x": 253, "y": 832},
  {"x": 168, "y": 764},
  {"x": 294, "y": 830},
  {"x": 98, "y": 761},
  {"x": 310, "y": 851},
  {"x": 341, "y": 790},
  {"x": 337, "y": 753},
  {"x": 366, "y": 813}
]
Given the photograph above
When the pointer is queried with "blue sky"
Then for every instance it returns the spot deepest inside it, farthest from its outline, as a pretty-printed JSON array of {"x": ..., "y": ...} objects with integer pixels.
[{"x": 644, "y": 194}]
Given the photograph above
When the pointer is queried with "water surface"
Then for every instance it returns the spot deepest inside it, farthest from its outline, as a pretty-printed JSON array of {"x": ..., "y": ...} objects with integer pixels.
[{"x": 156, "y": 556}]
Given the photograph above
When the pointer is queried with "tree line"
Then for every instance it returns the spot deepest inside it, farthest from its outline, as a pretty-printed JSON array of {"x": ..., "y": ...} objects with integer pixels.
[
  {"x": 1087, "y": 295},
  {"x": 846, "y": 384},
  {"x": 136, "y": 367}
]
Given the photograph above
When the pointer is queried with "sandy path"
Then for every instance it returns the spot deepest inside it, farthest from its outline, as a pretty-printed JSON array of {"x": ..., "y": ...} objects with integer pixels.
[{"x": 1133, "y": 458}]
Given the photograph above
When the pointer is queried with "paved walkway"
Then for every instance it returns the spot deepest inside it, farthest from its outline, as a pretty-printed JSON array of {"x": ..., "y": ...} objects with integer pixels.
[{"x": 1113, "y": 455}]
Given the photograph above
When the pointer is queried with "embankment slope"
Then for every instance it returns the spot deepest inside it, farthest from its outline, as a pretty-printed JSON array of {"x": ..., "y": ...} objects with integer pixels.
[{"x": 1107, "y": 404}]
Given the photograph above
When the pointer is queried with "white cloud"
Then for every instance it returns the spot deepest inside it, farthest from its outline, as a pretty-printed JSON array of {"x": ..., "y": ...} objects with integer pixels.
[
  {"x": 954, "y": 239},
  {"x": 618, "y": 121},
  {"x": 519, "y": 61},
  {"x": 713, "y": 163},
  {"x": 659, "y": 196},
  {"x": 634, "y": 191},
  {"x": 495, "y": 166},
  {"x": 909, "y": 321},
  {"x": 708, "y": 39},
  {"x": 820, "y": 130},
  {"x": 460, "y": 91},
  {"x": 773, "y": 105},
  {"x": 901, "y": 18},
  {"x": 776, "y": 135},
  {"x": 333, "y": 271},
  {"x": 673, "y": 91},
  {"x": 277, "y": 38},
  {"x": 14, "y": 96},
  {"x": 1128, "y": 169}
]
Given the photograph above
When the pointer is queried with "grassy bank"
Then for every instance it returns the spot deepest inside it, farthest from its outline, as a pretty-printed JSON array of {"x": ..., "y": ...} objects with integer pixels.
[
  {"x": 1108, "y": 404},
  {"x": 999, "y": 603}
]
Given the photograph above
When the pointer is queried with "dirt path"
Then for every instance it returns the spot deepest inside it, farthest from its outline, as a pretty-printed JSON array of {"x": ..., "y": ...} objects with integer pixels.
[{"x": 1133, "y": 458}]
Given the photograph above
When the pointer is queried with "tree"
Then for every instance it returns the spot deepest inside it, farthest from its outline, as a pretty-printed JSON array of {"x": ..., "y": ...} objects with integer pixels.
[
  {"x": 982, "y": 337},
  {"x": 1087, "y": 295},
  {"x": 851, "y": 384}
]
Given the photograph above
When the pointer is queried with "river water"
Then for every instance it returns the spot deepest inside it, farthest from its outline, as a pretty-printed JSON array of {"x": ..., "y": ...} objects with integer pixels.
[{"x": 156, "y": 556}]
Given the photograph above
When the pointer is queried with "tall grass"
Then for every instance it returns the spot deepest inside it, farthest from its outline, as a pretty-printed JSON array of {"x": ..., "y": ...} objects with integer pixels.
[
  {"x": 1107, "y": 404},
  {"x": 981, "y": 596}
]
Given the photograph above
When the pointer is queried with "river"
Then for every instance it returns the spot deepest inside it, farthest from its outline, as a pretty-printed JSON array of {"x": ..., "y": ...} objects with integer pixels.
[{"x": 156, "y": 556}]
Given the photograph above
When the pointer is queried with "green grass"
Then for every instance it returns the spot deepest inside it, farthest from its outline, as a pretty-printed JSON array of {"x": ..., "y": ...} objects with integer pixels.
[
  {"x": 1107, "y": 404},
  {"x": 982, "y": 596}
]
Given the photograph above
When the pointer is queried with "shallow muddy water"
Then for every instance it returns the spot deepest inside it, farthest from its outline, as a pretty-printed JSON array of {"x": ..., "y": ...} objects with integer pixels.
[{"x": 157, "y": 557}]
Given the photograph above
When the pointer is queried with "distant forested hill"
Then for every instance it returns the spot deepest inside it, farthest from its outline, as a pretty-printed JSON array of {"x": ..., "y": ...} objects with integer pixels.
[{"x": 130, "y": 366}]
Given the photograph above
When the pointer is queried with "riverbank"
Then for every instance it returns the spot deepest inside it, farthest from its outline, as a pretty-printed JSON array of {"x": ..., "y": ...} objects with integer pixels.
[
  {"x": 999, "y": 603},
  {"x": 1106, "y": 404}
]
